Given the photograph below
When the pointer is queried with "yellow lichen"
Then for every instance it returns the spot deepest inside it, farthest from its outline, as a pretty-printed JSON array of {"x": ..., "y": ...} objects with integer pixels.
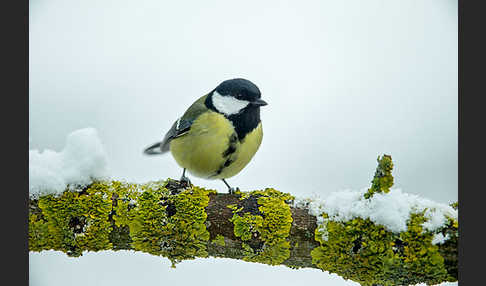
[
  {"x": 171, "y": 225},
  {"x": 159, "y": 222},
  {"x": 171, "y": 222},
  {"x": 219, "y": 240},
  {"x": 383, "y": 179},
  {"x": 267, "y": 229},
  {"x": 72, "y": 222},
  {"x": 365, "y": 252}
]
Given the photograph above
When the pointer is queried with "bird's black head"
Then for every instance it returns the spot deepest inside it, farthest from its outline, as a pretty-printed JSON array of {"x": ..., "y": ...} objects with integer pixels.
[
  {"x": 240, "y": 101},
  {"x": 235, "y": 96},
  {"x": 240, "y": 89}
]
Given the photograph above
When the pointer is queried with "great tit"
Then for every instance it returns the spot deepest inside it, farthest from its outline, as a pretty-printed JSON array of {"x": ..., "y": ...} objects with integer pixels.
[{"x": 218, "y": 134}]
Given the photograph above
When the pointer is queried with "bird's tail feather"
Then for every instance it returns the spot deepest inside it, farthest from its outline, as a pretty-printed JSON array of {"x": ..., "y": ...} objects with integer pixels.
[{"x": 154, "y": 149}]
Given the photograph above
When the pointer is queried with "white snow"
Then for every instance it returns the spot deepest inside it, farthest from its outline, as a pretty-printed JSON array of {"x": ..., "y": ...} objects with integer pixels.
[
  {"x": 392, "y": 210},
  {"x": 439, "y": 238},
  {"x": 82, "y": 160},
  {"x": 441, "y": 284}
]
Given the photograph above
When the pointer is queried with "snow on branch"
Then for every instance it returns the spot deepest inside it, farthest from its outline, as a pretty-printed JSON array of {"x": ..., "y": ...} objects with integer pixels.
[
  {"x": 376, "y": 236},
  {"x": 82, "y": 160}
]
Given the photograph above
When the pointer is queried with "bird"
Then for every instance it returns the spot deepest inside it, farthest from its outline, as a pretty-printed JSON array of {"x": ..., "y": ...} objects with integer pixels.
[{"x": 218, "y": 134}]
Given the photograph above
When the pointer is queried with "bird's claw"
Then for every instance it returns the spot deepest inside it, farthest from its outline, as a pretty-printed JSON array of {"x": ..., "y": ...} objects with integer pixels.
[{"x": 185, "y": 180}]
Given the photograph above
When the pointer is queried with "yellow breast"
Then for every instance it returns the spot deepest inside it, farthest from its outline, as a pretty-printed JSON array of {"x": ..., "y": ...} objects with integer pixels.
[{"x": 201, "y": 151}]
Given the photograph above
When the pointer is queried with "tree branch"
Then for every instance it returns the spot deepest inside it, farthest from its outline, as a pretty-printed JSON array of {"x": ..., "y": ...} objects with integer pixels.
[{"x": 180, "y": 222}]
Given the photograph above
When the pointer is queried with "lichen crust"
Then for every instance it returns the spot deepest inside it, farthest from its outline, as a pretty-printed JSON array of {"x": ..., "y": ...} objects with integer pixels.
[
  {"x": 72, "y": 222},
  {"x": 264, "y": 230},
  {"x": 169, "y": 224},
  {"x": 368, "y": 253}
]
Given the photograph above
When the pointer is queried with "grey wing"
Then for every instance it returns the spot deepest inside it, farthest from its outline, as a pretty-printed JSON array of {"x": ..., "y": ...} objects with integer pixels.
[{"x": 179, "y": 128}]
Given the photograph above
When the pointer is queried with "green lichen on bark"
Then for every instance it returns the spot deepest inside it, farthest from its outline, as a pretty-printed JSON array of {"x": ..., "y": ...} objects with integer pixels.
[
  {"x": 148, "y": 218},
  {"x": 72, "y": 222},
  {"x": 448, "y": 249},
  {"x": 383, "y": 179},
  {"x": 173, "y": 220},
  {"x": 264, "y": 230},
  {"x": 219, "y": 240},
  {"x": 165, "y": 223},
  {"x": 367, "y": 253}
]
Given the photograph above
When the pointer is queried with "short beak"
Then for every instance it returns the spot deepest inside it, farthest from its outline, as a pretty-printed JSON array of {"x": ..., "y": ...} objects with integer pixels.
[{"x": 259, "y": 102}]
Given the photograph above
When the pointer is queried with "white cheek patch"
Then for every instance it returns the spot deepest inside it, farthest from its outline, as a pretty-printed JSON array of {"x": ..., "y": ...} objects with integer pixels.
[{"x": 228, "y": 104}]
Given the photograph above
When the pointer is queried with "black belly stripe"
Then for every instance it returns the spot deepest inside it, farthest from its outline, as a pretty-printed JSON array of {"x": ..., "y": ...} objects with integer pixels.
[
  {"x": 231, "y": 149},
  {"x": 232, "y": 145},
  {"x": 226, "y": 164},
  {"x": 233, "y": 140}
]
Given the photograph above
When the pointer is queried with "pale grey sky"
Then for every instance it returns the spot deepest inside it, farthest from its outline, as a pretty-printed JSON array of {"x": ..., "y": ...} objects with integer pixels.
[{"x": 346, "y": 81}]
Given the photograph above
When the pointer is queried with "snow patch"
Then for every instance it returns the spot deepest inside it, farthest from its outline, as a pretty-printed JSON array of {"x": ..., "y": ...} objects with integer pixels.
[
  {"x": 441, "y": 284},
  {"x": 392, "y": 210},
  {"x": 439, "y": 238},
  {"x": 82, "y": 160}
]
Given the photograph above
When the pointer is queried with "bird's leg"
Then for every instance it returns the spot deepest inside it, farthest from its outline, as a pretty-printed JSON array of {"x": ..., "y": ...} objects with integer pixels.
[
  {"x": 230, "y": 189},
  {"x": 185, "y": 179}
]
